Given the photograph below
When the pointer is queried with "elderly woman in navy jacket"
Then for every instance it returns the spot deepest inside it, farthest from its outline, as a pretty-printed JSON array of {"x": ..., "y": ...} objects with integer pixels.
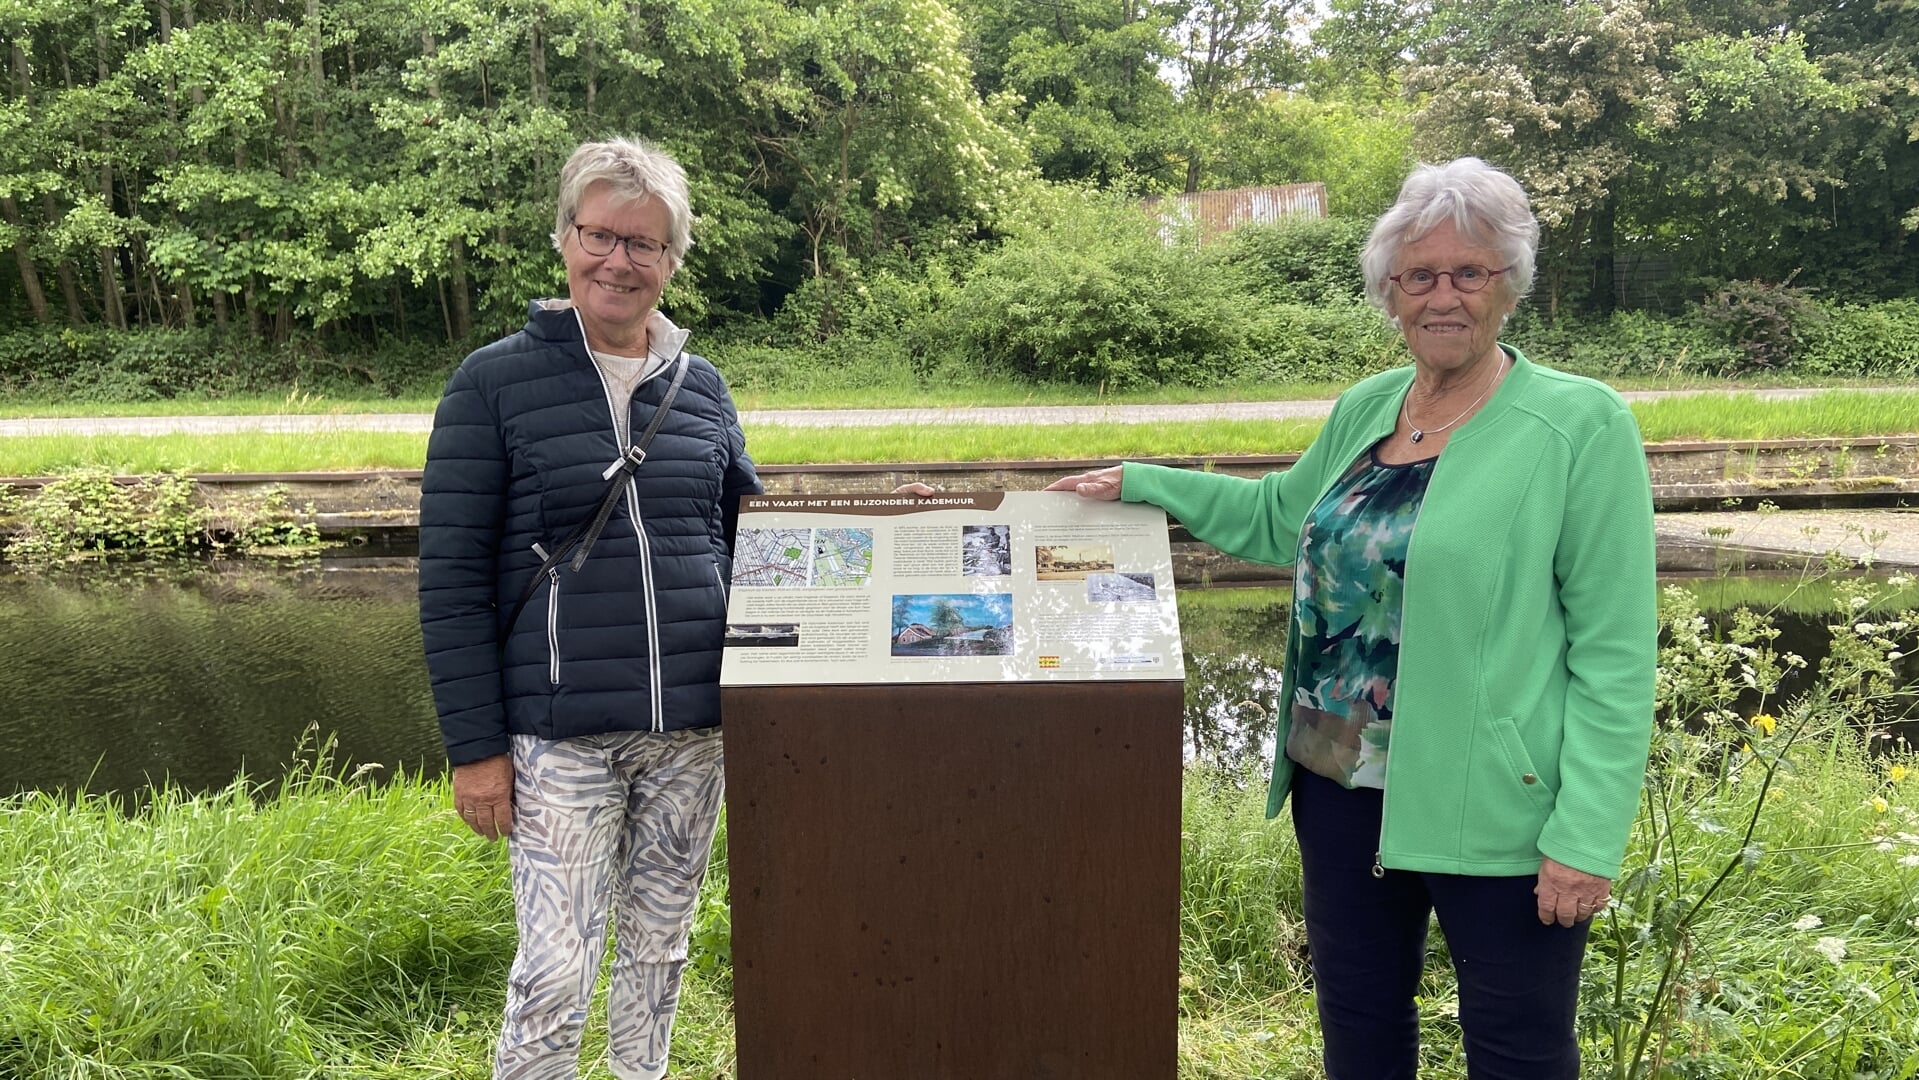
[{"x": 576, "y": 524}]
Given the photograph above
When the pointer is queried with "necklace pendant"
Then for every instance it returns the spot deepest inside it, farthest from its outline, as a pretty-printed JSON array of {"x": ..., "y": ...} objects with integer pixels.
[{"x": 1418, "y": 434}]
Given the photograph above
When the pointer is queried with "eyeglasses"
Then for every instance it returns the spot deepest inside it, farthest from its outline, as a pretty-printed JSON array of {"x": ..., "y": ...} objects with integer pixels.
[
  {"x": 1421, "y": 280},
  {"x": 599, "y": 243}
]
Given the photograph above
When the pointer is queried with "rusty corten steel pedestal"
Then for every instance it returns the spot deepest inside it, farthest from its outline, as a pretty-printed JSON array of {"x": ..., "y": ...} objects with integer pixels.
[{"x": 955, "y": 882}]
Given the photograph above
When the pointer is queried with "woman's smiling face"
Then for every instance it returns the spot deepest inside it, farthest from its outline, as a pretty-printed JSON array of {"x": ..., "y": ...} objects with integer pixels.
[
  {"x": 612, "y": 294},
  {"x": 1447, "y": 329}
]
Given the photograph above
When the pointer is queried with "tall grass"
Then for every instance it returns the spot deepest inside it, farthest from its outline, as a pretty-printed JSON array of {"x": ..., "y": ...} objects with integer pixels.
[
  {"x": 47, "y": 455},
  {"x": 1746, "y": 416},
  {"x": 323, "y": 926},
  {"x": 1833, "y": 414},
  {"x": 328, "y": 926}
]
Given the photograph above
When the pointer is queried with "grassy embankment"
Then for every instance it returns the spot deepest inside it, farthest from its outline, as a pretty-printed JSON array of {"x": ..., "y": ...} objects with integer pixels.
[
  {"x": 978, "y": 394},
  {"x": 1838, "y": 413},
  {"x": 334, "y": 927}
]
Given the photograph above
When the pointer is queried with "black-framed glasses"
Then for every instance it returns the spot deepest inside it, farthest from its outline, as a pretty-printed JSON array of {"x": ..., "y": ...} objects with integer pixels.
[
  {"x": 600, "y": 243},
  {"x": 1469, "y": 278}
]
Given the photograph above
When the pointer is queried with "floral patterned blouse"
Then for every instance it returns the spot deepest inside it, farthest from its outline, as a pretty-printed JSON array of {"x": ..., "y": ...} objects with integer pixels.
[{"x": 1346, "y": 602}]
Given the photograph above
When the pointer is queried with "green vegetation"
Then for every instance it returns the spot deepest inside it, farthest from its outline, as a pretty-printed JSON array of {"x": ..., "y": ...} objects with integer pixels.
[
  {"x": 46, "y": 455},
  {"x": 333, "y": 925},
  {"x": 1836, "y": 414},
  {"x": 215, "y": 200},
  {"x": 1747, "y": 416},
  {"x": 88, "y": 513}
]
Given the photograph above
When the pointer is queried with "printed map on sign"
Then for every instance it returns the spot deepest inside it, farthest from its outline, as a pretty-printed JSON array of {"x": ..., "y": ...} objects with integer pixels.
[{"x": 803, "y": 558}]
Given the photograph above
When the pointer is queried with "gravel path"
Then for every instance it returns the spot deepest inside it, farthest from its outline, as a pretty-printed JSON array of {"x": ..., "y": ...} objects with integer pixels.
[{"x": 993, "y": 415}]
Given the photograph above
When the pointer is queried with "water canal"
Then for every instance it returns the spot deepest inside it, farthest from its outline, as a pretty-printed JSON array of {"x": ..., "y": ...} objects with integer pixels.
[{"x": 116, "y": 678}]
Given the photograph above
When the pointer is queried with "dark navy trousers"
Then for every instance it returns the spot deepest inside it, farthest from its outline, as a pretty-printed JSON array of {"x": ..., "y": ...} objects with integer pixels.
[{"x": 1518, "y": 979}]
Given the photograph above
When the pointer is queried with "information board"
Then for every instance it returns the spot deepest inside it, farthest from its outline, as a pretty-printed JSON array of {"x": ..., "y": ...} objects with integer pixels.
[{"x": 955, "y": 587}]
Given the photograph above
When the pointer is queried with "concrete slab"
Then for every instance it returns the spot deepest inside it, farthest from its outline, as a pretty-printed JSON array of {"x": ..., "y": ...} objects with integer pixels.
[{"x": 1784, "y": 537}]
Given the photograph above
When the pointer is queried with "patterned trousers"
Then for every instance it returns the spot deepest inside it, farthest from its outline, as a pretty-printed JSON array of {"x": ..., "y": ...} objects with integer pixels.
[{"x": 622, "y": 823}]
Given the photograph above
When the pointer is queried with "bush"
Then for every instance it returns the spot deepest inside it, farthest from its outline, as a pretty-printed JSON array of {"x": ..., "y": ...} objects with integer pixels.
[
  {"x": 1767, "y": 323},
  {"x": 1098, "y": 296},
  {"x": 1340, "y": 342},
  {"x": 102, "y": 365},
  {"x": 1864, "y": 339},
  {"x": 1629, "y": 343},
  {"x": 1300, "y": 260}
]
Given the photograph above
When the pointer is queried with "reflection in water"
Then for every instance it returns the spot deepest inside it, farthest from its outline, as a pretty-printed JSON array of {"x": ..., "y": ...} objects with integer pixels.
[{"x": 108, "y": 683}]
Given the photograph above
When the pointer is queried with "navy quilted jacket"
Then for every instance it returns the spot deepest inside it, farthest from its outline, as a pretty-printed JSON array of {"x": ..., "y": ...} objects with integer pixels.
[{"x": 632, "y": 641}]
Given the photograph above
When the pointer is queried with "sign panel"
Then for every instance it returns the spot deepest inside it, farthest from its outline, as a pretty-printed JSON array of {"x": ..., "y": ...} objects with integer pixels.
[{"x": 956, "y": 587}]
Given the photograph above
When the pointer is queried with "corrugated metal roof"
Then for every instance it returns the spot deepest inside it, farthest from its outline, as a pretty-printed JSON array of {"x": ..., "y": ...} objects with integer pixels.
[{"x": 1219, "y": 212}]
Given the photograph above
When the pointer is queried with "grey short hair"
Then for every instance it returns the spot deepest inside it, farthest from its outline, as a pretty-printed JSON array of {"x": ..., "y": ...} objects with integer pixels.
[
  {"x": 636, "y": 170},
  {"x": 1486, "y": 205}
]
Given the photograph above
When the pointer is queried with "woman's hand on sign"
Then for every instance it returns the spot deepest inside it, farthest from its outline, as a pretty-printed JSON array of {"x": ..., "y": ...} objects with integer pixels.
[{"x": 1100, "y": 484}]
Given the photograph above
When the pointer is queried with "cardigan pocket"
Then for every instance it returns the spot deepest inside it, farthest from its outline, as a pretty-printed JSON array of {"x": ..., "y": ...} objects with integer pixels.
[{"x": 1519, "y": 764}]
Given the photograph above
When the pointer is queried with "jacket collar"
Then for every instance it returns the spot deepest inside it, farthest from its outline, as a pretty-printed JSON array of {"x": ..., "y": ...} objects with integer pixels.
[{"x": 555, "y": 320}]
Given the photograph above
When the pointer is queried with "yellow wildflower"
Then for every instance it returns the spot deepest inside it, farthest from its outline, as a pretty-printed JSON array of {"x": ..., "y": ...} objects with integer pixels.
[
  {"x": 1897, "y": 772},
  {"x": 1764, "y": 722},
  {"x": 1880, "y": 804}
]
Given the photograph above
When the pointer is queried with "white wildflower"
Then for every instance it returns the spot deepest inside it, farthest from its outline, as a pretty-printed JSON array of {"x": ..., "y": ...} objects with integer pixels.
[
  {"x": 1808, "y": 922},
  {"x": 1832, "y": 948}
]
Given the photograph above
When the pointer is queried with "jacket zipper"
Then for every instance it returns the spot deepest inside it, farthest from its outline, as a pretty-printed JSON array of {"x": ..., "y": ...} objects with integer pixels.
[
  {"x": 553, "y": 626},
  {"x": 657, "y": 716},
  {"x": 552, "y": 619}
]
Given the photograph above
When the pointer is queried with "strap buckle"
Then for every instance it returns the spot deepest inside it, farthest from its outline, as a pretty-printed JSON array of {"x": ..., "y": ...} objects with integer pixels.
[{"x": 629, "y": 462}]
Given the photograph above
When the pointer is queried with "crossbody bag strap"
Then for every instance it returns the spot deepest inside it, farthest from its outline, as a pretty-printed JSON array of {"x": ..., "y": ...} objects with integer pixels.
[{"x": 577, "y": 546}]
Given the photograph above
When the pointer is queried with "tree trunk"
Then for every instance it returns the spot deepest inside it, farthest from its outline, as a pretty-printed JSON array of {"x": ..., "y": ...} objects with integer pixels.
[
  {"x": 536, "y": 52},
  {"x": 63, "y": 270},
  {"x": 111, "y": 301},
  {"x": 316, "y": 45},
  {"x": 250, "y": 296},
  {"x": 592, "y": 75},
  {"x": 462, "y": 303},
  {"x": 1604, "y": 236},
  {"x": 29, "y": 274}
]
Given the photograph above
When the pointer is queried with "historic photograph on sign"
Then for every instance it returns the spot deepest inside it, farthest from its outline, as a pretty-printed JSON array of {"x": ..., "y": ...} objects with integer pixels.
[
  {"x": 1121, "y": 588},
  {"x": 986, "y": 551},
  {"x": 756, "y": 635},
  {"x": 1072, "y": 562},
  {"x": 953, "y": 624}
]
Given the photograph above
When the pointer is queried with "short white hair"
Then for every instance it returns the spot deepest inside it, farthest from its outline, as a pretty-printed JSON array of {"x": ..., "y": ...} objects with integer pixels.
[
  {"x": 636, "y": 171},
  {"x": 1486, "y": 205}
]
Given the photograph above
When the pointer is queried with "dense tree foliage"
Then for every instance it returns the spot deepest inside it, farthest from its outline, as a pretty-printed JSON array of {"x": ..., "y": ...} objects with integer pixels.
[{"x": 362, "y": 174}]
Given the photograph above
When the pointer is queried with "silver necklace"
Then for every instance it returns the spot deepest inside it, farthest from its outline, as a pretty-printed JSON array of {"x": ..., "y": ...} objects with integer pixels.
[{"x": 1420, "y": 433}]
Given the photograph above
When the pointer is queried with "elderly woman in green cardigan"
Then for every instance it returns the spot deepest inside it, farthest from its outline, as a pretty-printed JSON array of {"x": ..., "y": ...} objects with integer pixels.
[{"x": 1470, "y": 666}]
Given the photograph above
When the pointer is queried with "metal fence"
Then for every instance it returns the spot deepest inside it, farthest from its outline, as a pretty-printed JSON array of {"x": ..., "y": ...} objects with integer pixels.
[{"x": 1219, "y": 212}]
